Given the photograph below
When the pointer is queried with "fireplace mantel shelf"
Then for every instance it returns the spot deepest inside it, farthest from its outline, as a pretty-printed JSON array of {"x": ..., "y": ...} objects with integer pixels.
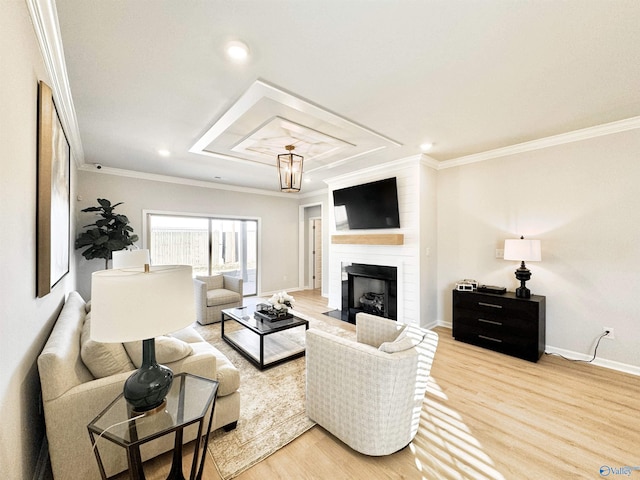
[{"x": 369, "y": 239}]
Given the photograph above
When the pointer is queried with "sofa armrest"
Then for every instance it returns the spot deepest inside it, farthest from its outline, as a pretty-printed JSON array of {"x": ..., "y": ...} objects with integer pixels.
[
  {"x": 374, "y": 330},
  {"x": 233, "y": 283}
]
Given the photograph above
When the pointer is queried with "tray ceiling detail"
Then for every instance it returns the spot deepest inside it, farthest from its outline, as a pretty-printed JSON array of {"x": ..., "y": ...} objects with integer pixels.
[{"x": 258, "y": 126}]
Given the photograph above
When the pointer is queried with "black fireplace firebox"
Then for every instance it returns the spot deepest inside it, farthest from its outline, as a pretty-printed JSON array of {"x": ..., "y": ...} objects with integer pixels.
[{"x": 371, "y": 289}]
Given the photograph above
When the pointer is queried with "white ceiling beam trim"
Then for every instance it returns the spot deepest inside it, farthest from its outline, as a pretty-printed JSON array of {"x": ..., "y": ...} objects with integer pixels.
[{"x": 260, "y": 90}]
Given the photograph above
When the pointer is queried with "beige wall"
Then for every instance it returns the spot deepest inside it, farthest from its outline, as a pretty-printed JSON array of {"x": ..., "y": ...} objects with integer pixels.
[
  {"x": 25, "y": 321},
  {"x": 581, "y": 200},
  {"x": 278, "y": 218}
]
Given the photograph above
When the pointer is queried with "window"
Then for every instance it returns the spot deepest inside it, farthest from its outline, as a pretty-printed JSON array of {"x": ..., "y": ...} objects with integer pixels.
[{"x": 209, "y": 245}]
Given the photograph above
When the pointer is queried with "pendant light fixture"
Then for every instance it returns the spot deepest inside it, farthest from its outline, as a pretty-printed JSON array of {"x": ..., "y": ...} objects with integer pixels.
[{"x": 290, "y": 170}]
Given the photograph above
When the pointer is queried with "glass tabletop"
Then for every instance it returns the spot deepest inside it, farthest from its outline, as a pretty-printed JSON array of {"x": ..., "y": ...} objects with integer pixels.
[{"x": 187, "y": 402}]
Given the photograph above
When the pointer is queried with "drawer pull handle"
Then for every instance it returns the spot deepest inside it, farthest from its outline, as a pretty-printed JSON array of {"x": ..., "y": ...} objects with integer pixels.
[
  {"x": 497, "y": 340},
  {"x": 492, "y": 322},
  {"x": 492, "y": 305}
]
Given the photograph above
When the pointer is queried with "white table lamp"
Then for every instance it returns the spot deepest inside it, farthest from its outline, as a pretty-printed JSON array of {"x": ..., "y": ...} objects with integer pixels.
[
  {"x": 141, "y": 303},
  {"x": 522, "y": 250},
  {"x": 130, "y": 258}
]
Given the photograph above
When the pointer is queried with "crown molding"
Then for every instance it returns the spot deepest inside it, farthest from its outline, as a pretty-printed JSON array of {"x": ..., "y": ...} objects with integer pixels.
[
  {"x": 561, "y": 139},
  {"x": 119, "y": 172},
  {"x": 376, "y": 168},
  {"x": 429, "y": 161},
  {"x": 45, "y": 23}
]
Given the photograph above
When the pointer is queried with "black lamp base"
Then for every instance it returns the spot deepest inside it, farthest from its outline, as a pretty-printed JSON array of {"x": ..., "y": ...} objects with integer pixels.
[
  {"x": 523, "y": 274},
  {"x": 523, "y": 292},
  {"x": 147, "y": 387}
]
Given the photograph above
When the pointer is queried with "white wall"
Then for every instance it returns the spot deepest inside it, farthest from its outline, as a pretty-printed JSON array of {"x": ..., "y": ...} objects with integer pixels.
[
  {"x": 25, "y": 320},
  {"x": 581, "y": 199},
  {"x": 278, "y": 268},
  {"x": 428, "y": 249},
  {"x": 317, "y": 200}
]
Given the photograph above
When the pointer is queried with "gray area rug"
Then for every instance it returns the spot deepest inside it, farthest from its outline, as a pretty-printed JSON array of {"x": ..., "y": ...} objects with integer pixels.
[{"x": 272, "y": 406}]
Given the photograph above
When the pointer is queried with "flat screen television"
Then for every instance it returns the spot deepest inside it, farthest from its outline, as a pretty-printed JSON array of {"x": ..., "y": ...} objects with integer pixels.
[{"x": 371, "y": 205}]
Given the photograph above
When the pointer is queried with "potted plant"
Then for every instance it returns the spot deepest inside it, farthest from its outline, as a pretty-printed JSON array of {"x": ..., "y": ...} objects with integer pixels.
[{"x": 108, "y": 234}]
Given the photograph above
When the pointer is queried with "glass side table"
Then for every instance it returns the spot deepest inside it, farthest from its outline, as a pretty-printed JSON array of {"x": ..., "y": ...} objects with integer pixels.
[{"x": 187, "y": 403}]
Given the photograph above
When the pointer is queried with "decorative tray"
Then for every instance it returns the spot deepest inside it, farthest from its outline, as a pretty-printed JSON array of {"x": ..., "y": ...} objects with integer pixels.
[{"x": 272, "y": 317}]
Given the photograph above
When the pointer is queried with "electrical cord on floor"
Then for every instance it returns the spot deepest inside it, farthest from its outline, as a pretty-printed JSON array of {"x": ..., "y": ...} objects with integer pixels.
[{"x": 595, "y": 351}]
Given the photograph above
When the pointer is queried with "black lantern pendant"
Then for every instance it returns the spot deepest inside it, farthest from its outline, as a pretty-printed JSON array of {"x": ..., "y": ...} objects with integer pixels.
[{"x": 290, "y": 170}]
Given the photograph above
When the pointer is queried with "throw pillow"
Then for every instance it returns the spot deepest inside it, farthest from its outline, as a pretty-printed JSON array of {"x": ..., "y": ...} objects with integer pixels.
[
  {"x": 168, "y": 349},
  {"x": 401, "y": 343},
  {"x": 102, "y": 359}
]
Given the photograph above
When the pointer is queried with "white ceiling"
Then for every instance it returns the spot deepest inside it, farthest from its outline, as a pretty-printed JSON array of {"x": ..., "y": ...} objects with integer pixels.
[{"x": 381, "y": 77}]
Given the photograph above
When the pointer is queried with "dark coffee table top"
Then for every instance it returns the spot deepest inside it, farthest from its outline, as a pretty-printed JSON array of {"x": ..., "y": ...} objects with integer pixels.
[{"x": 245, "y": 316}]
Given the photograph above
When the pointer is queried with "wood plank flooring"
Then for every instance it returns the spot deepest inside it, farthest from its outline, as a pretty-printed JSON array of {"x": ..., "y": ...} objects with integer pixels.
[{"x": 486, "y": 416}]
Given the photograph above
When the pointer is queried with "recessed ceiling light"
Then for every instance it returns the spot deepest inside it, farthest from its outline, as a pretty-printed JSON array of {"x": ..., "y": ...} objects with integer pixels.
[
  {"x": 237, "y": 50},
  {"x": 163, "y": 152},
  {"x": 425, "y": 147}
]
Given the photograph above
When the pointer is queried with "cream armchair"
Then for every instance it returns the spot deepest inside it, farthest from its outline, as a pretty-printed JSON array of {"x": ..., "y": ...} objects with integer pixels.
[
  {"x": 214, "y": 294},
  {"x": 369, "y": 393}
]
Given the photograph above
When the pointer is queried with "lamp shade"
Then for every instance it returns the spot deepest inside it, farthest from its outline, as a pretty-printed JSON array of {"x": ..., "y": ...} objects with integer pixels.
[
  {"x": 131, "y": 304},
  {"x": 522, "y": 250},
  {"x": 130, "y": 258}
]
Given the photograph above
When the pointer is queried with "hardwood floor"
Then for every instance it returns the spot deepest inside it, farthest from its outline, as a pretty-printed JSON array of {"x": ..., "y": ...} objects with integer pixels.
[{"x": 485, "y": 416}]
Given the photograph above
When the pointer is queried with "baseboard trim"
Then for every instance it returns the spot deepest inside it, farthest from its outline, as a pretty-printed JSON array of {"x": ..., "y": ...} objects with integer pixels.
[{"x": 600, "y": 362}]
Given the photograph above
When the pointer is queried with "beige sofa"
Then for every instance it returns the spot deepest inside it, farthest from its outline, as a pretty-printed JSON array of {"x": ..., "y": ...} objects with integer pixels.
[
  {"x": 73, "y": 394},
  {"x": 215, "y": 293}
]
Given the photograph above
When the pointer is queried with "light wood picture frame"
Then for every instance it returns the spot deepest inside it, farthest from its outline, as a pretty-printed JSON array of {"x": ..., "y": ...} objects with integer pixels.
[{"x": 54, "y": 191}]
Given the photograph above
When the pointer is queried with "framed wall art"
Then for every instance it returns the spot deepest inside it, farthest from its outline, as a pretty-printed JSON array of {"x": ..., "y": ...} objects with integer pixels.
[{"x": 53, "y": 205}]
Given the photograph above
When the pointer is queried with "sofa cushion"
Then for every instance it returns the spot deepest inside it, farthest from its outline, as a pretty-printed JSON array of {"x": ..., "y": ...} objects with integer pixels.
[
  {"x": 213, "y": 282},
  {"x": 188, "y": 335},
  {"x": 168, "y": 349},
  {"x": 221, "y": 296},
  {"x": 102, "y": 359}
]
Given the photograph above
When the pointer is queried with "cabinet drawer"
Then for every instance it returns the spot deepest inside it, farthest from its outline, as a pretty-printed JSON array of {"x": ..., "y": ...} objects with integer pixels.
[
  {"x": 493, "y": 333},
  {"x": 520, "y": 348},
  {"x": 505, "y": 307},
  {"x": 497, "y": 320}
]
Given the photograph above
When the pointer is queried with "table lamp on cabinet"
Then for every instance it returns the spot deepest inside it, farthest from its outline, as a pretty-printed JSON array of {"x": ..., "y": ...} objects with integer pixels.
[{"x": 522, "y": 250}]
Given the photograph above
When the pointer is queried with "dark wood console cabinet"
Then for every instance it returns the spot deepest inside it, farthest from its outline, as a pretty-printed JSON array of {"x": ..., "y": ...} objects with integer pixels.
[{"x": 504, "y": 323}]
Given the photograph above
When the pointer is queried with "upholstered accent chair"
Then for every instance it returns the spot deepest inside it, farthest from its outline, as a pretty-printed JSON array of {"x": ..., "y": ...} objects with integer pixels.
[
  {"x": 215, "y": 293},
  {"x": 369, "y": 392}
]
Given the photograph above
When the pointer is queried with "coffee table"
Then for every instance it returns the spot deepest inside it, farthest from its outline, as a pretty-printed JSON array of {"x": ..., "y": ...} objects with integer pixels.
[{"x": 262, "y": 342}]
